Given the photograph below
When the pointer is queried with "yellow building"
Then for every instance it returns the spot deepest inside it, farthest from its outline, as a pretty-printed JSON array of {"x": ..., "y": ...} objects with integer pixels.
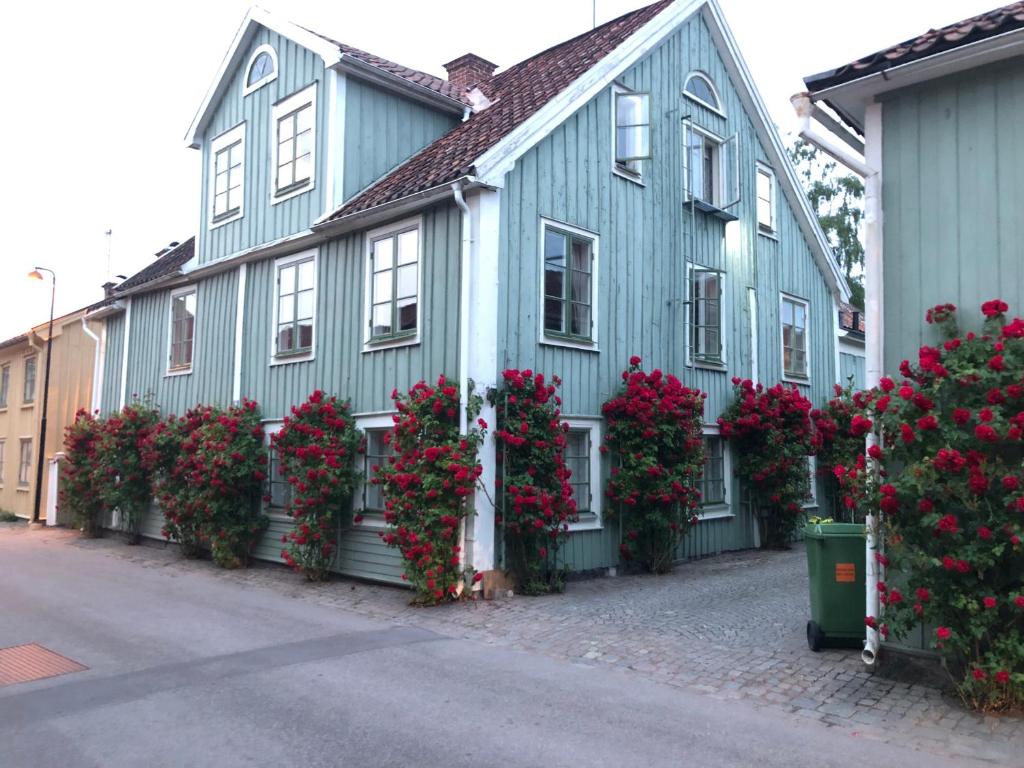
[{"x": 22, "y": 371}]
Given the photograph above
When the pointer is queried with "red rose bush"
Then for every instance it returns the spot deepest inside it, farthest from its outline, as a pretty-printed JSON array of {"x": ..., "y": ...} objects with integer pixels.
[
  {"x": 80, "y": 483},
  {"x": 126, "y": 481}
]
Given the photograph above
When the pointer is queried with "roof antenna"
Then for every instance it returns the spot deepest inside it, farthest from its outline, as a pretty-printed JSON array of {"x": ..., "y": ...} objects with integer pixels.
[
  {"x": 109, "y": 234},
  {"x": 593, "y": 14}
]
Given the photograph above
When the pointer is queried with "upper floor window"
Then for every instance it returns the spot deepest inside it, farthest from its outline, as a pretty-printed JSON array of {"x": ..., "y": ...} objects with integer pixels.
[
  {"x": 393, "y": 289},
  {"x": 700, "y": 89},
  {"x": 227, "y": 176},
  {"x": 706, "y": 338},
  {"x": 183, "y": 330},
  {"x": 765, "y": 199},
  {"x": 29, "y": 394},
  {"x": 570, "y": 259},
  {"x": 262, "y": 69},
  {"x": 632, "y": 130},
  {"x": 794, "y": 338},
  {"x": 25, "y": 462},
  {"x": 295, "y": 307},
  {"x": 5, "y": 384},
  {"x": 294, "y": 144}
]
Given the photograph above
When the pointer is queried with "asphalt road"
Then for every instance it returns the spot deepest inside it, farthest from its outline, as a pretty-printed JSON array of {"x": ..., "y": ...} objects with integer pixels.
[{"x": 188, "y": 669}]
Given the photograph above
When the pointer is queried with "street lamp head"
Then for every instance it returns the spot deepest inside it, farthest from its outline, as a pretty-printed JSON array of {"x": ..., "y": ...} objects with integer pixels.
[{"x": 35, "y": 274}]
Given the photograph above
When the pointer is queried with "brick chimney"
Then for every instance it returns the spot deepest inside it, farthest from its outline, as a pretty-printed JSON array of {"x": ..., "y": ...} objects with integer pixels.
[
  {"x": 469, "y": 70},
  {"x": 108, "y": 289}
]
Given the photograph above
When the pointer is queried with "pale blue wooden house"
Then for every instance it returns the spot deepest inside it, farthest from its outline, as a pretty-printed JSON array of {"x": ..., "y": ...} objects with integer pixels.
[{"x": 364, "y": 226}]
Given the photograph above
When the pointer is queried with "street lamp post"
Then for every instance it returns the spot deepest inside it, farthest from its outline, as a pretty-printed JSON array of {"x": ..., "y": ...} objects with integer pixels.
[{"x": 36, "y": 274}]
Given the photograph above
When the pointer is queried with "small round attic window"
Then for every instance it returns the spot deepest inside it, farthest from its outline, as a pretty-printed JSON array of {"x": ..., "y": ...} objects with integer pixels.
[{"x": 262, "y": 68}]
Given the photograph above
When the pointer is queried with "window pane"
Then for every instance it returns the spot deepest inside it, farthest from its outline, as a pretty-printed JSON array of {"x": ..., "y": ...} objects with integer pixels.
[
  {"x": 407, "y": 314},
  {"x": 699, "y": 86},
  {"x": 554, "y": 249},
  {"x": 304, "y": 143},
  {"x": 286, "y": 278},
  {"x": 382, "y": 286},
  {"x": 799, "y": 316},
  {"x": 764, "y": 212},
  {"x": 286, "y": 338},
  {"x": 764, "y": 185},
  {"x": 234, "y": 199},
  {"x": 407, "y": 281},
  {"x": 285, "y": 129},
  {"x": 303, "y": 168},
  {"x": 220, "y": 183},
  {"x": 235, "y": 155},
  {"x": 787, "y": 312},
  {"x": 633, "y": 143},
  {"x": 305, "y": 335},
  {"x": 381, "y": 319},
  {"x": 383, "y": 253},
  {"x": 306, "y": 272},
  {"x": 220, "y": 203},
  {"x": 304, "y": 118},
  {"x": 553, "y": 319},
  {"x": 408, "y": 246},
  {"x": 580, "y": 320},
  {"x": 305, "y": 310},
  {"x": 286, "y": 310}
]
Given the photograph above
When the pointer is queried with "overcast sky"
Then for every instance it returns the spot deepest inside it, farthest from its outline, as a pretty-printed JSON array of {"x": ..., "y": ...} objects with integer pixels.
[{"x": 100, "y": 95}]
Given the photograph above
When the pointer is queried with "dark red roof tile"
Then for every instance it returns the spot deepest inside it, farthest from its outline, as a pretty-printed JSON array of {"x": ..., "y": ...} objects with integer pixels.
[{"x": 169, "y": 263}]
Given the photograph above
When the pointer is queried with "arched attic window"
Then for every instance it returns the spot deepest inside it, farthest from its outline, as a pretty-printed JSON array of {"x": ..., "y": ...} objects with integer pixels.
[
  {"x": 262, "y": 68},
  {"x": 700, "y": 89}
]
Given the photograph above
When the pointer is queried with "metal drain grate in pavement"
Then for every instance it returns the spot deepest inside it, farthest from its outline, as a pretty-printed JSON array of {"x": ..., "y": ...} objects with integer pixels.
[{"x": 24, "y": 663}]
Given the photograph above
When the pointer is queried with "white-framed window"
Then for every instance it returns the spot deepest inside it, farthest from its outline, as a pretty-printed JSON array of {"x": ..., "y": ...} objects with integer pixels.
[
  {"x": 293, "y": 149},
  {"x": 569, "y": 259},
  {"x": 812, "y": 473},
  {"x": 182, "y": 331},
  {"x": 765, "y": 199},
  {"x": 794, "y": 316},
  {"x": 25, "y": 463},
  {"x": 701, "y": 89},
  {"x": 710, "y": 168},
  {"x": 394, "y": 283},
  {"x": 714, "y": 481},
  {"x": 3, "y": 458},
  {"x": 29, "y": 391},
  {"x": 279, "y": 491},
  {"x": 582, "y": 456},
  {"x": 294, "y": 316},
  {"x": 227, "y": 176},
  {"x": 631, "y": 131},
  {"x": 376, "y": 454},
  {"x": 706, "y": 332},
  {"x": 261, "y": 70},
  {"x": 5, "y": 384}
]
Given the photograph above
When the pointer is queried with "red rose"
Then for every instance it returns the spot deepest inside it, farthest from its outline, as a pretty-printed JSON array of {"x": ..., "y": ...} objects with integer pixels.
[
  {"x": 886, "y": 384},
  {"x": 989, "y": 602},
  {"x": 1002, "y": 677},
  {"x": 943, "y": 633}
]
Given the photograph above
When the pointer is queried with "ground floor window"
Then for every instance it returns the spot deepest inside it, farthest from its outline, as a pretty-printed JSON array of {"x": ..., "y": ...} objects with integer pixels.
[
  {"x": 582, "y": 458},
  {"x": 712, "y": 481},
  {"x": 25, "y": 463}
]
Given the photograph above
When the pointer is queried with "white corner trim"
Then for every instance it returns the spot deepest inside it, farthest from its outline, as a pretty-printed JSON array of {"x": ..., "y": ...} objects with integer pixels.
[
  {"x": 303, "y": 97},
  {"x": 698, "y": 73},
  {"x": 226, "y": 139},
  {"x": 124, "y": 353},
  {"x": 334, "y": 141},
  {"x": 184, "y": 290},
  {"x": 269, "y": 50},
  {"x": 754, "y": 340},
  {"x": 328, "y": 52},
  {"x": 394, "y": 228},
  {"x": 556, "y": 340},
  {"x": 594, "y": 425},
  {"x": 279, "y": 263},
  {"x": 493, "y": 164},
  {"x": 793, "y": 298},
  {"x": 236, "y": 368}
]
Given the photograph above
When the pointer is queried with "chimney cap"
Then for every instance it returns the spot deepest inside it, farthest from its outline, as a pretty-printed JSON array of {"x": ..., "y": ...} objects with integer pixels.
[
  {"x": 469, "y": 70},
  {"x": 467, "y": 59}
]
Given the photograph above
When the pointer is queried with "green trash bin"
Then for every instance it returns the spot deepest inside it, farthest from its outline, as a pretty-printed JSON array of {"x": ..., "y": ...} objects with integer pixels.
[{"x": 835, "y": 567}]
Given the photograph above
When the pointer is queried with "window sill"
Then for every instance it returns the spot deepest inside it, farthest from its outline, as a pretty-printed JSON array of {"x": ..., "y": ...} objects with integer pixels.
[
  {"x": 278, "y": 516},
  {"x": 588, "y": 522},
  {"x": 711, "y": 210},
  {"x": 771, "y": 234},
  {"x": 804, "y": 381},
  {"x": 3, "y": 409},
  {"x": 811, "y": 505},
  {"x": 372, "y": 521},
  {"x": 288, "y": 193},
  {"x": 22, "y": 489},
  {"x": 583, "y": 346},
  {"x": 717, "y": 512},
  {"x": 709, "y": 365},
  {"x": 220, "y": 222},
  {"x": 302, "y": 357},
  {"x": 179, "y": 372},
  {"x": 26, "y": 406},
  {"x": 398, "y": 341},
  {"x": 636, "y": 178}
]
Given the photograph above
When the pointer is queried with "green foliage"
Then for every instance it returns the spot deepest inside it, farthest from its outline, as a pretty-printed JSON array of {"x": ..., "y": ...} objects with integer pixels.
[
  {"x": 125, "y": 482},
  {"x": 80, "y": 482},
  {"x": 7, "y": 517},
  {"x": 838, "y": 200}
]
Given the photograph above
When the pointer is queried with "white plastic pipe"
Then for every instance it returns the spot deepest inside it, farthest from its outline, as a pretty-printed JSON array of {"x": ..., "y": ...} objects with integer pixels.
[
  {"x": 97, "y": 373},
  {"x": 464, "y": 279}
]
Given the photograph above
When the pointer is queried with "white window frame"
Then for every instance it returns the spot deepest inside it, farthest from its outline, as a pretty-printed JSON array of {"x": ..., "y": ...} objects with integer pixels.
[
  {"x": 265, "y": 48},
  {"x": 279, "y": 110},
  {"x": 594, "y": 424},
  {"x": 5, "y": 386},
  {"x": 624, "y": 171},
  {"x": 24, "y": 487},
  {"x": 176, "y": 294},
  {"x": 25, "y": 403},
  {"x": 812, "y": 471},
  {"x": 371, "y": 521},
  {"x": 279, "y": 264},
  {"x": 591, "y": 344},
  {"x": 714, "y": 89},
  {"x": 272, "y": 427},
  {"x": 226, "y": 139},
  {"x": 784, "y": 297},
  {"x": 773, "y": 228},
  {"x": 691, "y": 359},
  {"x": 721, "y": 510},
  {"x": 390, "y": 230}
]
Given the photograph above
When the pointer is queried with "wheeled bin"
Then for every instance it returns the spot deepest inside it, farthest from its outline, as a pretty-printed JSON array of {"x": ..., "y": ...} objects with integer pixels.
[{"x": 835, "y": 570}]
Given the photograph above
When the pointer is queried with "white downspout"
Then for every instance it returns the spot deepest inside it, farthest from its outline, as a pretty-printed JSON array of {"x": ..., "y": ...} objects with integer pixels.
[
  {"x": 870, "y": 168},
  {"x": 464, "y": 282},
  {"x": 97, "y": 374}
]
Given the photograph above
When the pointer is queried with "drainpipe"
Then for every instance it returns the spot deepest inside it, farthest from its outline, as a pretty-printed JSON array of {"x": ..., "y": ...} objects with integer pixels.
[
  {"x": 870, "y": 169},
  {"x": 96, "y": 372},
  {"x": 464, "y": 266}
]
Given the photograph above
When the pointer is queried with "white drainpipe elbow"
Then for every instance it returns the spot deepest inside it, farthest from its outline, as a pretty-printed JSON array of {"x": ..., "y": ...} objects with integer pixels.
[{"x": 804, "y": 109}]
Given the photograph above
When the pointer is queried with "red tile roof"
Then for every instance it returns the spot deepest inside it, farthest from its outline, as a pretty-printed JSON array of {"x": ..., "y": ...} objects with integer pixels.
[
  {"x": 851, "y": 318},
  {"x": 516, "y": 94},
  {"x": 169, "y": 263},
  {"x": 995, "y": 22}
]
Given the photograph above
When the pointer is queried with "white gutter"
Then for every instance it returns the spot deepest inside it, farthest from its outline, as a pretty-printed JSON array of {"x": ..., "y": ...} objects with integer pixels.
[
  {"x": 97, "y": 365},
  {"x": 464, "y": 264},
  {"x": 871, "y": 169},
  {"x": 124, "y": 353}
]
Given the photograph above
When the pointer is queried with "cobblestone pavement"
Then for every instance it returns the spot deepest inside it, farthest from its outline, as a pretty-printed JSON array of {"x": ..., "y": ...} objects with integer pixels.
[{"x": 730, "y": 627}]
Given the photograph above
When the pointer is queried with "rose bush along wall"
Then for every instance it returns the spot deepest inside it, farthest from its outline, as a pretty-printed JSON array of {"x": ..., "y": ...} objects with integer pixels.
[
  {"x": 654, "y": 430},
  {"x": 119, "y": 451},
  {"x": 535, "y": 494},
  {"x": 316, "y": 447},
  {"x": 427, "y": 486},
  {"x": 80, "y": 483},
  {"x": 951, "y": 490},
  {"x": 840, "y": 428},
  {"x": 772, "y": 436}
]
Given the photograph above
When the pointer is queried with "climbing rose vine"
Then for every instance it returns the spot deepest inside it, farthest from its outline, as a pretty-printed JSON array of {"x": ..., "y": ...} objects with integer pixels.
[
  {"x": 536, "y": 502},
  {"x": 839, "y": 433},
  {"x": 654, "y": 429},
  {"x": 427, "y": 486},
  {"x": 772, "y": 436},
  {"x": 950, "y": 488},
  {"x": 170, "y": 471},
  {"x": 80, "y": 483},
  {"x": 316, "y": 447},
  {"x": 118, "y": 456}
]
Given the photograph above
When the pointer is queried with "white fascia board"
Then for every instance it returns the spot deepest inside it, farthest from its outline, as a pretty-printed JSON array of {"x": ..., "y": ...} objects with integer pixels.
[
  {"x": 256, "y": 16},
  {"x": 776, "y": 151},
  {"x": 493, "y": 164}
]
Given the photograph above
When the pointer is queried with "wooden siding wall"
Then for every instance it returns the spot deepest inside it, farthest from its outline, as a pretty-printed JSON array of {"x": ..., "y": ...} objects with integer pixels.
[
  {"x": 111, "y": 385},
  {"x": 383, "y": 129},
  {"x": 646, "y": 237},
  {"x": 263, "y": 222},
  {"x": 852, "y": 368},
  {"x": 210, "y": 381},
  {"x": 953, "y": 181}
]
